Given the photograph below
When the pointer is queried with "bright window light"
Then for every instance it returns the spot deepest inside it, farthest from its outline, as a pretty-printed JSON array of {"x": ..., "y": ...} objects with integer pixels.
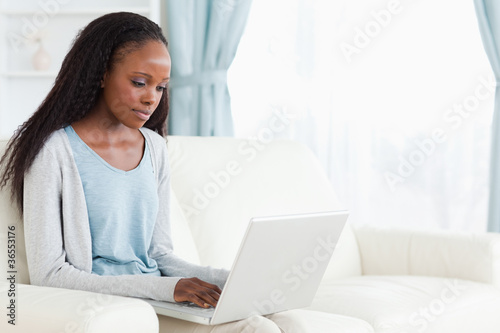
[{"x": 394, "y": 97}]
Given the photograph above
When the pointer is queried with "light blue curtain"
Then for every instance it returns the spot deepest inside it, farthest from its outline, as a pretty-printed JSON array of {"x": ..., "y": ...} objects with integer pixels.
[
  {"x": 203, "y": 38},
  {"x": 488, "y": 15}
]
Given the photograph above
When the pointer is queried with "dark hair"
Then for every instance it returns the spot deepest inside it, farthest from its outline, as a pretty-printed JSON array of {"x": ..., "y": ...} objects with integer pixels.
[{"x": 77, "y": 88}]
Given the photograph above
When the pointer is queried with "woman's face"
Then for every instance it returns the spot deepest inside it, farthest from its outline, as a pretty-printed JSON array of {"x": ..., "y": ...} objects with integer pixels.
[{"x": 133, "y": 88}]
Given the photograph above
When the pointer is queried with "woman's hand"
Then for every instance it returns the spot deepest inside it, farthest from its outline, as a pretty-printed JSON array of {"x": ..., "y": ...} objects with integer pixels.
[{"x": 197, "y": 291}]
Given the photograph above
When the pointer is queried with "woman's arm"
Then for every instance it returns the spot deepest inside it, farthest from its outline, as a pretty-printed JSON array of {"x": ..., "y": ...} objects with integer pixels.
[{"x": 49, "y": 232}]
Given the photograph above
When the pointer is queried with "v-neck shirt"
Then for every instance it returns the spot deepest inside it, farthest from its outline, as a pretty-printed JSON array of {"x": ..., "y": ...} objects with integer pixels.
[{"x": 122, "y": 209}]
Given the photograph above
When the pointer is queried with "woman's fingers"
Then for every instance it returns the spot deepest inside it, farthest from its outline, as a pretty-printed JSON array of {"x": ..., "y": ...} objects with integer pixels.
[
  {"x": 197, "y": 291},
  {"x": 209, "y": 285},
  {"x": 204, "y": 299}
]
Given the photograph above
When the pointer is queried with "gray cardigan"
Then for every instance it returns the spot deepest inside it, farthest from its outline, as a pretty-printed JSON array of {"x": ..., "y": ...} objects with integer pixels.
[{"x": 57, "y": 233}]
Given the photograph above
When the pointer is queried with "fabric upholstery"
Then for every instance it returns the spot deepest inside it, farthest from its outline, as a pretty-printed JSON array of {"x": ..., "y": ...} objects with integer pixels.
[
  {"x": 411, "y": 304},
  {"x": 233, "y": 171}
]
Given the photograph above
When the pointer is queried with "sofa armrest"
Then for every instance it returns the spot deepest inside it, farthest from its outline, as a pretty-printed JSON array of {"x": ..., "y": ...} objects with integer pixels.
[
  {"x": 44, "y": 309},
  {"x": 469, "y": 256}
]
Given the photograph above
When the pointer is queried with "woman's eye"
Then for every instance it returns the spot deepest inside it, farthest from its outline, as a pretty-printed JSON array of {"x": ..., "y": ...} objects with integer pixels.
[
  {"x": 160, "y": 88},
  {"x": 138, "y": 84}
]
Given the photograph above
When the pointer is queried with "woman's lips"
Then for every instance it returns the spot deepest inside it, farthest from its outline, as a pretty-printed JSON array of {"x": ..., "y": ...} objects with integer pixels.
[{"x": 143, "y": 114}]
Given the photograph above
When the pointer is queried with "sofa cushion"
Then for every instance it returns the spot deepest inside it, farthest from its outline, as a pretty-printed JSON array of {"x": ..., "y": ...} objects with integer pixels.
[
  {"x": 222, "y": 182},
  {"x": 182, "y": 238},
  {"x": 345, "y": 259},
  {"x": 49, "y": 310},
  {"x": 397, "y": 251},
  {"x": 411, "y": 304}
]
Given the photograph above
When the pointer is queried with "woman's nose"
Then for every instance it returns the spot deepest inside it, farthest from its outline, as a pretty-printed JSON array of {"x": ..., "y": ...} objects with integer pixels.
[{"x": 149, "y": 97}]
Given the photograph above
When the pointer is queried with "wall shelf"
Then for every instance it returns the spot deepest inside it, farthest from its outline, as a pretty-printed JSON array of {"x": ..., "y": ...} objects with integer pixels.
[
  {"x": 21, "y": 87},
  {"x": 28, "y": 74}
]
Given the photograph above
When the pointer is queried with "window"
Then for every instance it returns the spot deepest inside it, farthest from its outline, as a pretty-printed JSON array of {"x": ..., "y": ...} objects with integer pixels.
[{"x": 394, "y": 97}]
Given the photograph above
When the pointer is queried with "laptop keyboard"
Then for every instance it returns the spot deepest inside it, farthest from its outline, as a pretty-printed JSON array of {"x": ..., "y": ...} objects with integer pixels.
[
  {"x": 188, "y": 308},
  {"x": 192, "y": 305},
  {"x": 196, "y": 307}
]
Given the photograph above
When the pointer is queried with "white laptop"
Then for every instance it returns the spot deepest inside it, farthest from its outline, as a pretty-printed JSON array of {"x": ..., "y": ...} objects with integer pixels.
[{"x": 279, "y": 266}]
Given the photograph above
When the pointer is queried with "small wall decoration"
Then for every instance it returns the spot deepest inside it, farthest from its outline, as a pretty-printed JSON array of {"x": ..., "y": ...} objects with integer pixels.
[{"x": 41, "y": 59}]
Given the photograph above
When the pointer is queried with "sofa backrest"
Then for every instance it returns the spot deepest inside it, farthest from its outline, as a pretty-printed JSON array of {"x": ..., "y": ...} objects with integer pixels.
[{"x": 221, "y": 183}]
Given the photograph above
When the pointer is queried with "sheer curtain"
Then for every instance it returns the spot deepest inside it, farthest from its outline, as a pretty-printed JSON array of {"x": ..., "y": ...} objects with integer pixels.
[
  {"x": 488, "y": 18},
  {"x": 394, "y": 97},
  {"x": 203, "y": 37}
]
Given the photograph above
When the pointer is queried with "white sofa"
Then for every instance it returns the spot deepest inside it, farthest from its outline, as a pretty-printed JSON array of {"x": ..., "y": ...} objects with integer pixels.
[{"x": 379, "y": 280}]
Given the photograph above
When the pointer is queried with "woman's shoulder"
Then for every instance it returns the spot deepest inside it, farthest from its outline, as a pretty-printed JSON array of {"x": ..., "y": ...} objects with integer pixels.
[
  {"x": 153, "y": 138},
  {"x": 55, "y": 149},
  {"x": 158, "y": 149},
  {"x": 56, "y": 141}
]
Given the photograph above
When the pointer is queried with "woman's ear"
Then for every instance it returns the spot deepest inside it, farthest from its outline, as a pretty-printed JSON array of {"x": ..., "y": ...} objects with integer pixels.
[{"x": 103, "y": 79}]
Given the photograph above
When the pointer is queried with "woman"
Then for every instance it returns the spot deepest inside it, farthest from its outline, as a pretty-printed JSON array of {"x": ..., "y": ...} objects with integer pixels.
[{"x": 89, "y": 172}]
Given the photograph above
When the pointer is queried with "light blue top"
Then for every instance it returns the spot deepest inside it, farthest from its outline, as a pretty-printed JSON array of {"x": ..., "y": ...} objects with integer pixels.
[{"x": 122, "y": 208}]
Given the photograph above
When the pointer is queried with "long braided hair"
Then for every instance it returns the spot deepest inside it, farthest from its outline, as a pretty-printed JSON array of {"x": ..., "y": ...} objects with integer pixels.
[{"x": 77, "y": 88}]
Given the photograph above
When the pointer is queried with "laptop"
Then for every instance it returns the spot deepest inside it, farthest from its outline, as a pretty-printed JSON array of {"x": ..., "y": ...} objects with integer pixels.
[{"x": 279, "y": 266}]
